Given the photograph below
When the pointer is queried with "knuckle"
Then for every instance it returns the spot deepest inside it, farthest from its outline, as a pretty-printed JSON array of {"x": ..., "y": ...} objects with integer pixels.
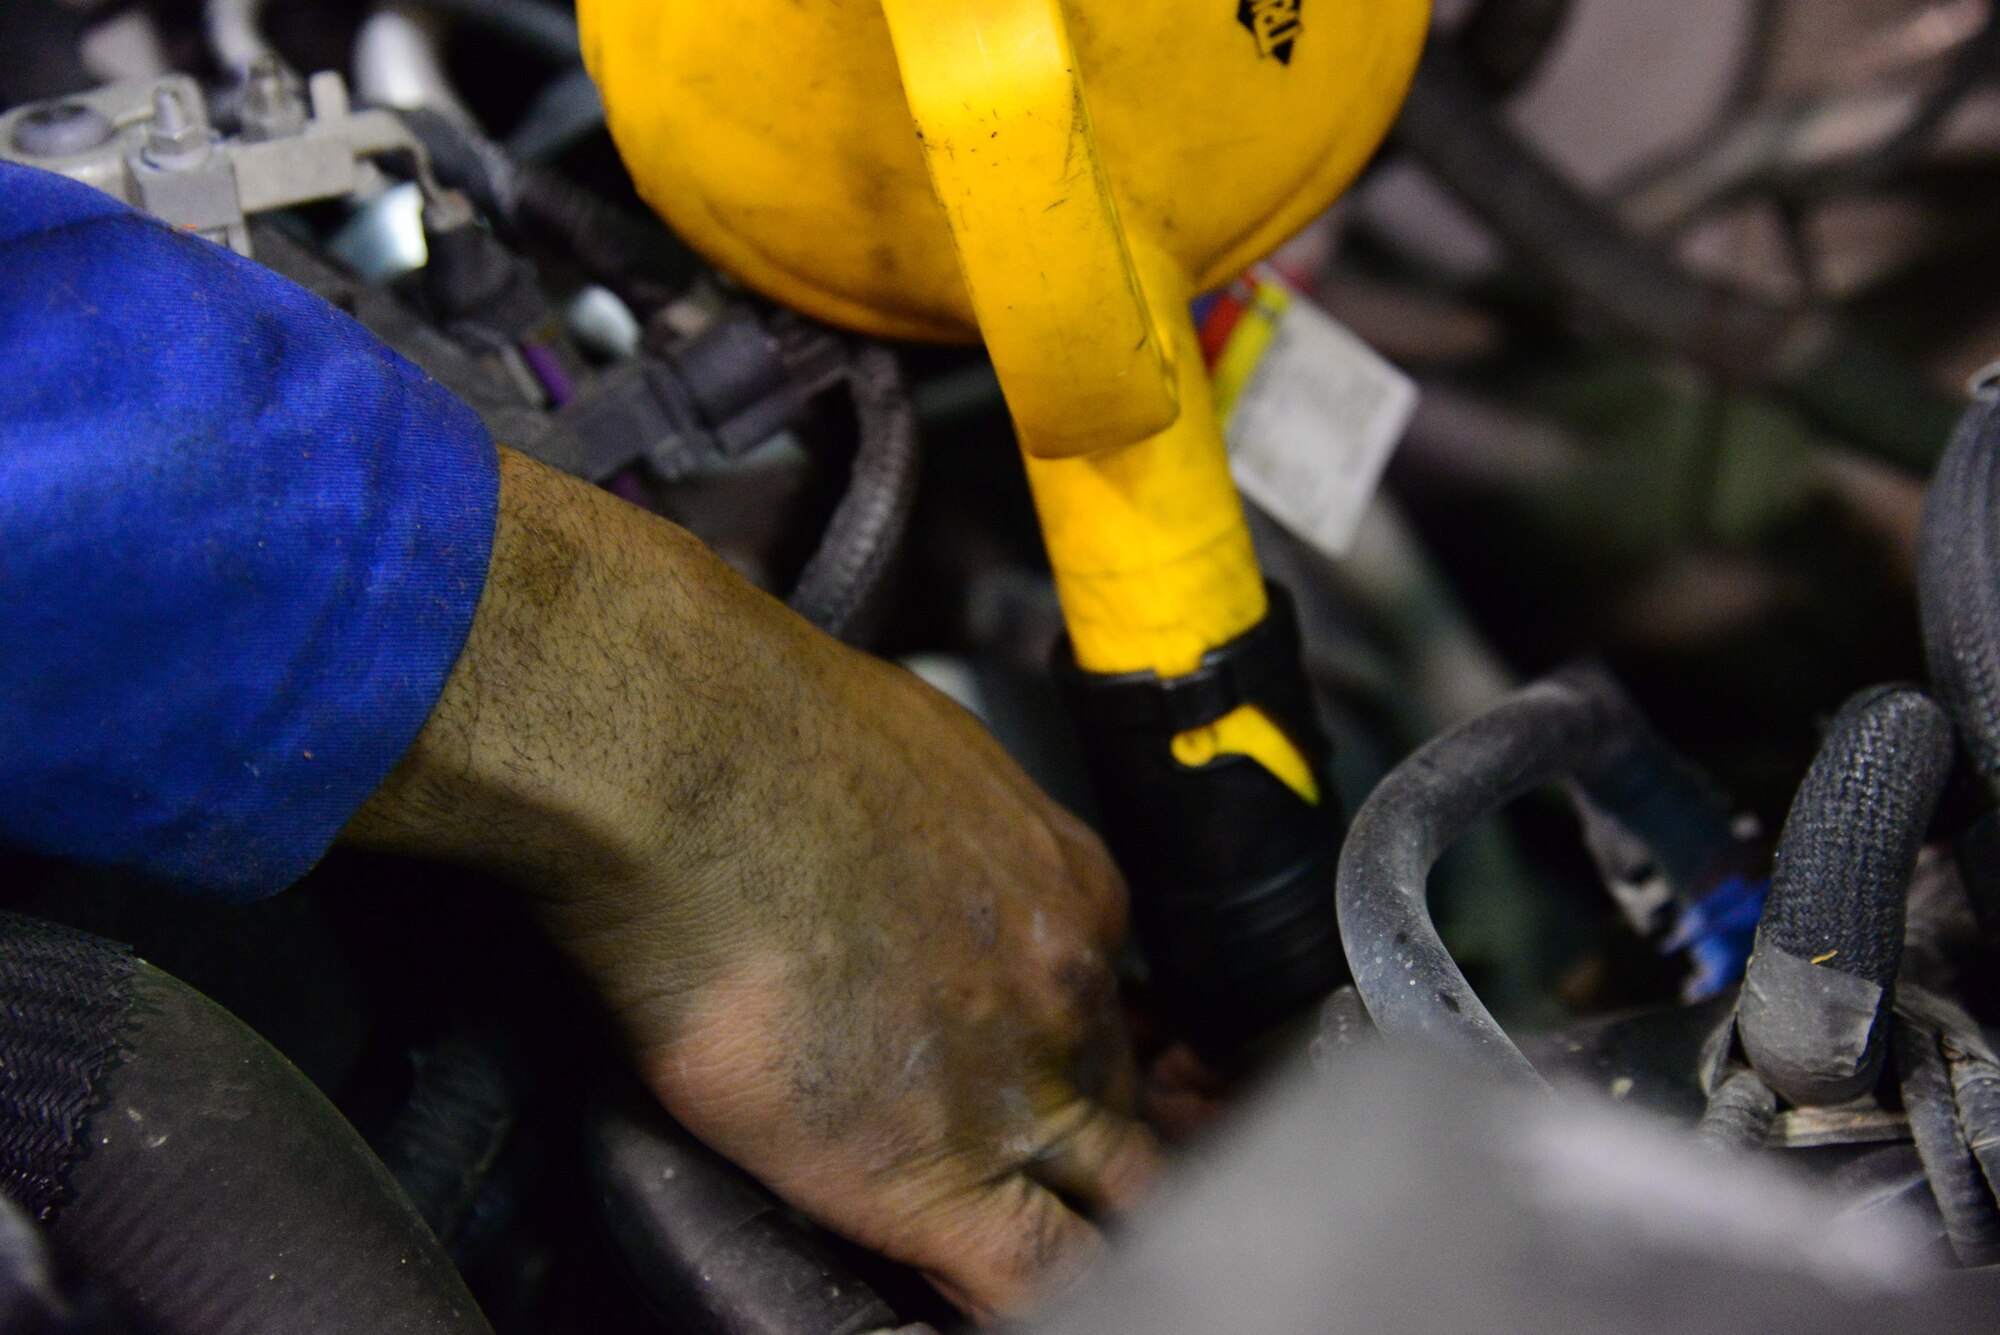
[
  {"x": 1049, "y": 849},
  {"x": 1075, "y": 985},
  {"x": 1000, "y": 1243},
  {"x": 1033, "y": 1236}
]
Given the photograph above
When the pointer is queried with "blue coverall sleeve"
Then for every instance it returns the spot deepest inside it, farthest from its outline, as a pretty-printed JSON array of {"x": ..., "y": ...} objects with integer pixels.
[{"x": 241, "y": 543}]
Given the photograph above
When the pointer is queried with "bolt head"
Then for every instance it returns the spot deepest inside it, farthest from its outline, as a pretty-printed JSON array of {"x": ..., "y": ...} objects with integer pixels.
[
  {"x": 60, "y": 130},
  {"x": 272, "y": 106},
  {"x": 175, "y": 140}
]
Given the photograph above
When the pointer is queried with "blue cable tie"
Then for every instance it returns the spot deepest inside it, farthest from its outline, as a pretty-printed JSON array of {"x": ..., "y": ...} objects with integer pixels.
[{"x": 1718, "y": 931}]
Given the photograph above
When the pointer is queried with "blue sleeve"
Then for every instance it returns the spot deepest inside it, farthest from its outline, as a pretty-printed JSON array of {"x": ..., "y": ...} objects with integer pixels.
[{"x": 241, "y": 543}]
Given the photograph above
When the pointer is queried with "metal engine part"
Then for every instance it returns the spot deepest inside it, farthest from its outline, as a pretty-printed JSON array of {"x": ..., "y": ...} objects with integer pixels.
[{"x": 152, "y": 143}]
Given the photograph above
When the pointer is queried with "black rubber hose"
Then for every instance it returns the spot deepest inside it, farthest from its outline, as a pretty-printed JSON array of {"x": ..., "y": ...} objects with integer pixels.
[
  {"x": 1973, "y": 1068},
  {"x": 445, "y": 1141},
  {"x": 1739, "y": 1114},
  {"x": 634, "y": 256},
  {"x": 1843, "y": 384},
  {"x": 178, "y": 1160},
  {"x": 838, "y": 588},
  {"x": 1971, "y": 1217},
  {"x": 1814, "y": 1012},
  {"x": 714, "y": 1253},
  {"x": 1958, "y": 585},
  {"x": 1975, "y": 1087},
  {"x": 1575, "y": 725}
]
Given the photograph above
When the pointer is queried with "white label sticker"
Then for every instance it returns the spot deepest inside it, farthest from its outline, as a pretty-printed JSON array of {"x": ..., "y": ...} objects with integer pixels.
[{"x": 1314, "y": 425}]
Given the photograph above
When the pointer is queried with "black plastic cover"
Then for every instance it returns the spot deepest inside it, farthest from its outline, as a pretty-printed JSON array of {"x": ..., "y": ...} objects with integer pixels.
[
  {"x": 1232, "y": 872},
  {"x": 715, "y": 1253}
]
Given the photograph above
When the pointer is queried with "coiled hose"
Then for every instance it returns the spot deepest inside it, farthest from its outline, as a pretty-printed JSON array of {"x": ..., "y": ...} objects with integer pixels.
[
  {"x": 1841, "y": 382},
  {"x": 1813, "y": 1016},
  {"x": 182, "y": 1163},
  {"x": 1958, "y": 585},
  {"x": 1958, "y": 588},
  {"x": 1576, "y": 725},
  {"x": 840, "y": 585}
]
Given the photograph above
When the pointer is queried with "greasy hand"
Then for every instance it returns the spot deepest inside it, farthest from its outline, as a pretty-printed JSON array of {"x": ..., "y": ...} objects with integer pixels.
[
  {"x": 905, "y": 1021},
  {"x": 854, "y": 948}
]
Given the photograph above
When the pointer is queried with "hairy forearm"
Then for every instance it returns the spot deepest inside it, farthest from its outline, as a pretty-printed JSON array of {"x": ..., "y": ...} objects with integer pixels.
[
  {"x": 615, "y": 673},
  {"x": 852, "y": 946}
]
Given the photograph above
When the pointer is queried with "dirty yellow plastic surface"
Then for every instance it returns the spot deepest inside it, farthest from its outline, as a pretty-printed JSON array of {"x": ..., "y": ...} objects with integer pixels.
[
  {"x": 1006, "y": 134},
  {"x": 1059, "y": 177},
  {"x": 776, "y": 137},
  {"x": 1153, "y": 557}
]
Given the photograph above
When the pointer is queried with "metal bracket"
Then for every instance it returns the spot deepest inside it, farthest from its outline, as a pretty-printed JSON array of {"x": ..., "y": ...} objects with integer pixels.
[{"x": 151, "y": 143}]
